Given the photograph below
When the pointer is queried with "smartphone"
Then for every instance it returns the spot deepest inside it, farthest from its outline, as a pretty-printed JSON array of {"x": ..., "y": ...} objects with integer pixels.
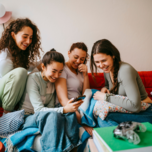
[{"x": 79, "y": 98}]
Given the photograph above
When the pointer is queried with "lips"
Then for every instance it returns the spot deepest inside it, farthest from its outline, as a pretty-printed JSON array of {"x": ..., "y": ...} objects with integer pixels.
[{"x": 105, "y": 68}]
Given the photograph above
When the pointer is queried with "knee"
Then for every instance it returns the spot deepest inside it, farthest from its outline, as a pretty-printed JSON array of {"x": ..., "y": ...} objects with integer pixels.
[{"x": 20, "y": 74}]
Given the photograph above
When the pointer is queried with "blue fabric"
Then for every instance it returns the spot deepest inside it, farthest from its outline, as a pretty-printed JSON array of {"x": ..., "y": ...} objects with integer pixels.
[
  {"x": 87, "y": 117},
  {"x": 106, "y": 122},
  {"x": 59, "y": 132},
  {"x": 11, "y": 122},
  {"x": 143, "y": 116},
  {"x": 24, "y": 140}
]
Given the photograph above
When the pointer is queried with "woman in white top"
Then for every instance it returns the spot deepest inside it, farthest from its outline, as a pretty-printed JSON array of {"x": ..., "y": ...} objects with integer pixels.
[
  {"x": 19, "y": 47},
  {"x": 74, "y": 78}
]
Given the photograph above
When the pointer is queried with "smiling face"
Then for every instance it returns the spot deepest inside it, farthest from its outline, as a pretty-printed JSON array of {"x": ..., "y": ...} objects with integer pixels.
[
  {"x": 52, "y": 71},
  {"x": 76, "y": 57},
  {"x": 104, "y": 62},
  {"x": 23, "y": 38}
]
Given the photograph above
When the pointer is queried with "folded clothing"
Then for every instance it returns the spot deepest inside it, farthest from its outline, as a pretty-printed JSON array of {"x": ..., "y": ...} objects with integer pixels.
[
  {"x": 11, "y": 122},
  {"x": 102, "y": 108}
]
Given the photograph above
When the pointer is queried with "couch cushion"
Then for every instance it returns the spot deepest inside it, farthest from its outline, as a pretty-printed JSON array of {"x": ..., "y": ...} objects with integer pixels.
[{"x": 146, "y": 77}]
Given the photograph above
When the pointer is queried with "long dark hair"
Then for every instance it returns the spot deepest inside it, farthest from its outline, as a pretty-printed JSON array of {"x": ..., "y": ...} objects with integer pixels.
[
  {"x": 31, "y": 54},
  {"x": 80, "y": 45},
  {"x": 106, "y": 47},
  {"x": 52, "y": 56}
]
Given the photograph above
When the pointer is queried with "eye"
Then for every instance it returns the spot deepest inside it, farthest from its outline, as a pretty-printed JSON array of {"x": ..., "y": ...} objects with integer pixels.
[
  {"x": 54, "y": 71},
  {"x": 103, "y": 60},
  {"x": 75, "y": 57},
  {"x": 82, "y": 59}
]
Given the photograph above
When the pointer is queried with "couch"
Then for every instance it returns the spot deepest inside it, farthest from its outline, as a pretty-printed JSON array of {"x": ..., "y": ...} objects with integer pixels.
[{"x": 146, "y": 77}]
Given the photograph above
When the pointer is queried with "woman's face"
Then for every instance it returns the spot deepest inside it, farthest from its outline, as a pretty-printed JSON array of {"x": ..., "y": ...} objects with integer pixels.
[
  {"x": 23, "y": 38},
  {"x": 76, "y": 57},
  {"x": 52, "y": 71},
  {"x": 104, "y": 62}
]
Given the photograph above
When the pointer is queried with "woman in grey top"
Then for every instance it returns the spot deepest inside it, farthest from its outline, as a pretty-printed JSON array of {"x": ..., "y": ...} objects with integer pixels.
[
  {"x": 120, "y": 78},
  {"x": 40, "y": 90}
]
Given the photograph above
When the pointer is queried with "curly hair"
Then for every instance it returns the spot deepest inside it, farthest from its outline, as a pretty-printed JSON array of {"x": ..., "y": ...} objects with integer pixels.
[
  {"x": 106, "y": 47},
  {"x": 31, "y": 54},
  {"x": 80, "y": 45}
]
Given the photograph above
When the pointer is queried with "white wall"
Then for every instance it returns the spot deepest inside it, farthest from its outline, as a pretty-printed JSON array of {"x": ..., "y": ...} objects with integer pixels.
[{"x": 126, "y": 23}]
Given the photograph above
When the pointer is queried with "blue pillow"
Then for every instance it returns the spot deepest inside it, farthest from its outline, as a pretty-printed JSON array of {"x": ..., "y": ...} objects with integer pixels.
[{"x": 11, "y": 122}]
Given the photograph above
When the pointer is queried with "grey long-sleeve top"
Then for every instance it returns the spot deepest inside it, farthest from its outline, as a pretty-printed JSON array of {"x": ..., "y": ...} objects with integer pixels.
[{"x": 130, "y": 85}]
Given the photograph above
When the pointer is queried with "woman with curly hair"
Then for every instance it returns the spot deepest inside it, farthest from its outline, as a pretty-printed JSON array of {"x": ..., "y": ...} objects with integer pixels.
[
  {"x": 121, "y": 79},
  {"x": 19, "y": 48}
]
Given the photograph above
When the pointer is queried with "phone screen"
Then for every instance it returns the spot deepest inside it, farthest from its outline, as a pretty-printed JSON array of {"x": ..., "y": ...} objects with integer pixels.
[{"x": 79, "y": 98}]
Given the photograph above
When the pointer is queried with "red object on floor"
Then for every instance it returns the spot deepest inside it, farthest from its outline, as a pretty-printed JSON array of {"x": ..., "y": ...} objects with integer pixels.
[
  {"x": 1, "y": 111},
  {"x": 2, "y": 147}
]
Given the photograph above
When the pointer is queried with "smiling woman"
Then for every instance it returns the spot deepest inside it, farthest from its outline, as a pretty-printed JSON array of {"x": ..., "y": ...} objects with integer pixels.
[{"x": 19, "y": 48}]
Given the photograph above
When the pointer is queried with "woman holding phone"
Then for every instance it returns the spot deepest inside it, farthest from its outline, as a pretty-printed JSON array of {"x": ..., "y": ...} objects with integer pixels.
[{"x": 74, "y": 78}]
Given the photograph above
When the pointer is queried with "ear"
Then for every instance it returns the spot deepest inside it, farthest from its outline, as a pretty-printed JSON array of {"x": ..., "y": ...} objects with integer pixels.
[
  {"x": 69, "y": 53},
  {"x": 13, "y": 35},
  {"x": 113, "y": 57},
  {"x": 42, "y": 66}
]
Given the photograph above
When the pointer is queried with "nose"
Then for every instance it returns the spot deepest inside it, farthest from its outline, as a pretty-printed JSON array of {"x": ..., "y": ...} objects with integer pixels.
[
  {"x": 100, "y": 65},
  {"x": 78, "y": 61},
  {"x": 28, "y": 41},
  {"x": 56, "y": 75}
]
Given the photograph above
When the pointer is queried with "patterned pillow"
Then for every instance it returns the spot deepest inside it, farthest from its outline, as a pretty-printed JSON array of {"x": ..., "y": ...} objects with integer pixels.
[
  {"x": 11, "y": 122},
  {"x": 102, "y": 108}
]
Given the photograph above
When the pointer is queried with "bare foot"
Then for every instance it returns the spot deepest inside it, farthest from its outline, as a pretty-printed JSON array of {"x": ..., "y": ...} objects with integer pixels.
[
  {"x": 88, "y": 129},
  {"x": 6, "y": 111}
]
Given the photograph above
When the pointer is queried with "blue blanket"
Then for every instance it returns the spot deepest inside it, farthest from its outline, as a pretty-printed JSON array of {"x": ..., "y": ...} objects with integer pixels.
[
  {"x": 24, "y": 139},
  {"x": 59, "y": 132},
  {"x": 87, "y": 117}
]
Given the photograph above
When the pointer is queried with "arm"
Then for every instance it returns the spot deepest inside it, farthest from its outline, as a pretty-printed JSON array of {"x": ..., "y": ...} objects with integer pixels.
[
  {"x": 83, "y": 68},
  {"x": 86, "y": 84},
  {"x": 133, "y": 101},
  {"x": 35, "y": 98},
  {"x": 61, "y": 90}
]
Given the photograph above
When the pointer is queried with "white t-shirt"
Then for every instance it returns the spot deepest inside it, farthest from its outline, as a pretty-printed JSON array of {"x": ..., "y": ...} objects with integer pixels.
[{"x": 6, "y": 64}]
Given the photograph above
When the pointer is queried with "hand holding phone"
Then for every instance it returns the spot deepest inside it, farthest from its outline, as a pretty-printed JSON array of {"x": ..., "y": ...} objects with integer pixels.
[{"x": 79, "y": 98}]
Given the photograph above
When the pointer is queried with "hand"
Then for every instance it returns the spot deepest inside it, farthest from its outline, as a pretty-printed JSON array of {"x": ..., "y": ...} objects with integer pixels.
[
  {"x": 105, "y": 90},
  {"x": 72, "y": 107},
  {"x": 83, "y": 68},
  {"x": 99, "y": 96}
]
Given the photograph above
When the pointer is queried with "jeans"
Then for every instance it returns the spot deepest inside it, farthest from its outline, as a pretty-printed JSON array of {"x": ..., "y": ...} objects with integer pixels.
[
  {"x": 59, "y": 132},
  {"x": 117, "y": 117}
]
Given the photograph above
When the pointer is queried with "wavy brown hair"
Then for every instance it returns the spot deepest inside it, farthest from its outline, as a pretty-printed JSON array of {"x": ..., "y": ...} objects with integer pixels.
[
  {"x": 82, "y": 46},
  {"x": 106, "y": 47},
  {"x": 31, "y": 54}
]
